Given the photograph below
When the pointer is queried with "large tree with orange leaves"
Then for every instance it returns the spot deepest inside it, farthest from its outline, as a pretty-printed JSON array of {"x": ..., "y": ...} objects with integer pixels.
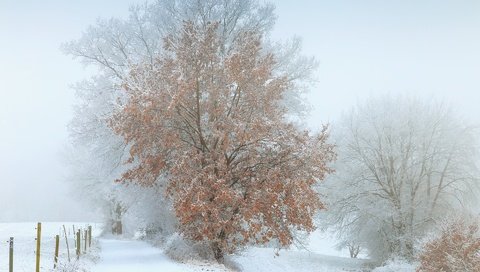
[{"x": 212, "y": 121}]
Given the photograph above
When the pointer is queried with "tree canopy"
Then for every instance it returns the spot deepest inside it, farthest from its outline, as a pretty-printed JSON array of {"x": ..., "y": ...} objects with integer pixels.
[{"x": 213, "y": 122}]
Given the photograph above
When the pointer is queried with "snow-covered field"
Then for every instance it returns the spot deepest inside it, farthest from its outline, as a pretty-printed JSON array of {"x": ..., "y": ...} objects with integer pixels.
[
  {"x": 263, "y": 260},
  {"x": 320, "y": 255},
  {"x": 25, "y": 244},
  {"x": 129, "y": 255}
]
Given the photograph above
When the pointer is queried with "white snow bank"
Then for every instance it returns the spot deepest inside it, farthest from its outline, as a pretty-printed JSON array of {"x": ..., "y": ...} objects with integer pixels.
[
  {"x": 396, "y": 265},
  {"x": 264, "y": 259},
  {"x": 128, "y": 256}
]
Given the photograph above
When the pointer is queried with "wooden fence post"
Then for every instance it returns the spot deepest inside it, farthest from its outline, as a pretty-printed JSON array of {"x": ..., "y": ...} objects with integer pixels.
[
  {"x": 10, "y": 256},
  {"x": 85, "y": 238},
  {"x": 66, "y": 241},
  {"x": 39, "y": 237},
  {"x": 78, "y": 244},
  {"x": 57, "y": 244},
  {"x": 89, "y": 236}
]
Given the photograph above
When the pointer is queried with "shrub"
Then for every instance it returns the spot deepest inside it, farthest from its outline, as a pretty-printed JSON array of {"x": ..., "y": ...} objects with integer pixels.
[
  {"x": 456, "y": 248},
  {"x": 396, "y": 265},
  {"x": 182, "y": 250}
]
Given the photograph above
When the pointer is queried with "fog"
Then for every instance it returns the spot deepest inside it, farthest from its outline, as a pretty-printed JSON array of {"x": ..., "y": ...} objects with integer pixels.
[
  {"x": 36, "y": 104},
  {"x": 424, "y": 48},
  {"x": 427, "y": 48}
]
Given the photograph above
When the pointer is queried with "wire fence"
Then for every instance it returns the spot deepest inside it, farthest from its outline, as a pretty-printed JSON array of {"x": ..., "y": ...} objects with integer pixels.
[{"x": 42, "y": 247}]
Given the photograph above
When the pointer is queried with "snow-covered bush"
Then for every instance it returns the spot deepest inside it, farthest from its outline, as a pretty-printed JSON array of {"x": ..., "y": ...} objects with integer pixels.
[
  {"x": 396, "y": 265},
  {"x": 184, "y": 250},
  {"x": 456, "y": 248},
  {"x": 151, "y": 213}
]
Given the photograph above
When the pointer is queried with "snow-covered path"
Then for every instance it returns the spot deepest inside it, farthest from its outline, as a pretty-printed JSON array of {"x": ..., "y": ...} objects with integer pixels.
[{"x": 128, "y": 256}]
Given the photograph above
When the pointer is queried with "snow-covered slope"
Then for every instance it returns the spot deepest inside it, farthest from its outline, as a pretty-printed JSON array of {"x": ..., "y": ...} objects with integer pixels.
[
  {"x": 264, "y": 260},
  {"x": 126, "y": 256},
  {"x": 319, "y": 254}
]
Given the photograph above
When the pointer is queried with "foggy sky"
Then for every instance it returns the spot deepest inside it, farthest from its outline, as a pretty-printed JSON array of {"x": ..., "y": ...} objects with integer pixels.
[{"x": 424, "y": 48}]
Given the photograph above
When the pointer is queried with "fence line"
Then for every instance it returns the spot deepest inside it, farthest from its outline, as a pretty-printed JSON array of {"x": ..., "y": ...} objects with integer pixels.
[{"x": 86, "y": 240}]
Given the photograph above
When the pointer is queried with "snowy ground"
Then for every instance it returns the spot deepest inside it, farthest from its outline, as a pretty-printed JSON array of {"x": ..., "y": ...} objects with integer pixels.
[
  {"x": 126, "y": 256},
  {"x": 24, "y": 244},
  {"x": 263, "y": 260},
  {"x": 129, "y": 255},
  {"x": 319, "y": 255}
]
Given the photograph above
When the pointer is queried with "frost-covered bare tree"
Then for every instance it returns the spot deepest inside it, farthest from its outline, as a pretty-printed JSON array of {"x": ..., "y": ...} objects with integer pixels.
[
  {"x": 114, "y": 46},
  {"x": 96, "y": 160},
  {"x": 403, "y": 164}
]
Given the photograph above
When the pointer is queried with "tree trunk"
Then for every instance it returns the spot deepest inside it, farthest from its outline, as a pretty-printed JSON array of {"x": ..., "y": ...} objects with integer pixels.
[
  {"x": 353, "y": 250},
  {"x": 117, "y": 227},
  {"x": 217, "y": 253}
]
